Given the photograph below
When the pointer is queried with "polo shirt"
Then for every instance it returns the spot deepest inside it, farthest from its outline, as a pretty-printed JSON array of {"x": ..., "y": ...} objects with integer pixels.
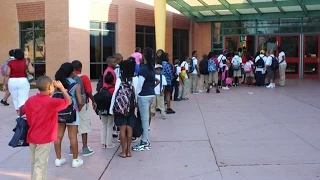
[
  {"x": 42, "y": 117},
  {"x": 18, "y": 68}
]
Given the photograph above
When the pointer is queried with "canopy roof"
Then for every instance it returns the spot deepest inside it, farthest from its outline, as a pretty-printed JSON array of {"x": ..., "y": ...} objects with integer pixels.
[{"x": 230, "y": 10}]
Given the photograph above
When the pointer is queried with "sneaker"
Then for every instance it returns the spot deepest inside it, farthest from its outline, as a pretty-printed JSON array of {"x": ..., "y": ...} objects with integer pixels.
[
  {"x": 115, "y": 135},
  {"x": 200, "y": 91},
  {"x": 195, "y": 92},
  {"x": 134, "y": 139},
  {"x": 163, "y": 117},
  {"x": 86, "y": 151},
  {"x": 77, "y": 162},
  {"x": 60, "y": 162},
  {"x": 142, "y": 146},
  {"x": 208, "y": 90},
  {"x": 118, "y": 139},
  {"x": 170, "y": 111},
  {"x": 225, "y": 88},
  {"x": 5, "y": 103},
  {"x": 70, "y": 152},
  {"x": 217, "y": 91},
  {"x": 177, "y": 99}
]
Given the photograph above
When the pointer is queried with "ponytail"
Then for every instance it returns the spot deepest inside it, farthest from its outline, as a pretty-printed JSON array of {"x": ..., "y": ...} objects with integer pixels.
[{"x": 60, "y": 76}]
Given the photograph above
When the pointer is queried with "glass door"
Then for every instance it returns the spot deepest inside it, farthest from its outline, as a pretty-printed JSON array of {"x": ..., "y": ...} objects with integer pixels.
[
  {"x": 267, "y": 43},
  {"x": 291, "y": 46},
  {"x": 311, "y": 56},
  {"x": 231, "y": 43}
]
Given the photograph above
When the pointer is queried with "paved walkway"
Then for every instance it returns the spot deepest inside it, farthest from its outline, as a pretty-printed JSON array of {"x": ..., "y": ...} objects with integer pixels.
[{"x": 267, "y": 135}]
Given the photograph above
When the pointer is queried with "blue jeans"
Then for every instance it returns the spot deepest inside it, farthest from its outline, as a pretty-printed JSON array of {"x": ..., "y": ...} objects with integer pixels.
[{"x": 144, "y": 103}]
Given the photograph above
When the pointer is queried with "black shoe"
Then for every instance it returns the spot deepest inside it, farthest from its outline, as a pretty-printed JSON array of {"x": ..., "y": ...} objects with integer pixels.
[
  {"x": 170, "y": 111},
  {"x": 208, "y": 90},
  {"x": 114, "y": 135},
  {"x": 217, "y": 91},
  {"x": 157, "y": 109},
  {"x": 177, "y": 99},
  {"x": 5, "y": 103}
]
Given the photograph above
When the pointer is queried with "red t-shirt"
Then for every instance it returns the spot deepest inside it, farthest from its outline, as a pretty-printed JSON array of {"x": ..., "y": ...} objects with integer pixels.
[
  {"x": 111, "y": 86},
  {"x": 86, "y": 83},
  {"x": 42, "y": 117},
  {"x": 18, "y": 68}
]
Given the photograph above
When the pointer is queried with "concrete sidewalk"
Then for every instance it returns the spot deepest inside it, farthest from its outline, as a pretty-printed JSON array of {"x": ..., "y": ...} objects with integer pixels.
[{"x": 272, "y": 134}]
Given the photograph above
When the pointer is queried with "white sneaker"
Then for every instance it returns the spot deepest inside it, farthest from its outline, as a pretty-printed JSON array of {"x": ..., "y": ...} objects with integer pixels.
[
  {"x": 77, "y": 162},
  {"x": 225, "y": 88},
  {"x": 60, "y": 162},
  {"x": 200, "y": 91},
  {"x": 269, "y": 86}
]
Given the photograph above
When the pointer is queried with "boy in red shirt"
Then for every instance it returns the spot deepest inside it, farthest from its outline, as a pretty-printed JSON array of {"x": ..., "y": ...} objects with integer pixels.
[{"x": 42, "y": 117}]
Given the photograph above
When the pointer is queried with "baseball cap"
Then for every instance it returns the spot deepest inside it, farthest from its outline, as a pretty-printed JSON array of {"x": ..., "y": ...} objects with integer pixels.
[{"x": 158, "y": 66}]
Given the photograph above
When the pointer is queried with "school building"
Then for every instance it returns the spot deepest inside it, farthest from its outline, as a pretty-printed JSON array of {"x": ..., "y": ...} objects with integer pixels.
[{"x": 52, "y": 32}]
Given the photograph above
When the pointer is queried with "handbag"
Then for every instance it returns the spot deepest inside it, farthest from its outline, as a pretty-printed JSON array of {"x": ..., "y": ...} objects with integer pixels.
[{"x": 30, "y": 76}]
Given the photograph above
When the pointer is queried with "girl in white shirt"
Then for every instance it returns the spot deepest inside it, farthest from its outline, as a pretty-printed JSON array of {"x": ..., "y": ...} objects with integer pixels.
[{"x": 282, "y": 66}]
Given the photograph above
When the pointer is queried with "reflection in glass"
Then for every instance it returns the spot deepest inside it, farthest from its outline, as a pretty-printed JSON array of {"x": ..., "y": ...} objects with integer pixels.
[
  {"x": 108, "y": 26},
  {"x": 180, "y": 43},
  {"x": 40, "y": 46},
  {"x": 267, "y": 30},
  {"x": 292, "y": 68},
  {"x": 95, "y": 25},
  {"x": 108, "y": 44},
  {"x": 95, "y": 46},
  {"x": 267, "y": 43},
  {"x": 311, "y": 28},
  {"x": 26, "y": 26},
  {"x": 290, "y": 21},
  {"x": 231, "y": 44},
  {"x": 95, "y": 71},
  {"x": 311, "y": 46},
  {"x": 293, "y": 29},
  {"x": 40, "y": 69},
  {"x": 311, "y": 68},
  {"x": 140, "y": 40},
  {"x": 268, "y": 23},
  {"x": 290, "y": 45},
  {"x": 27, "y": 44},
  {"x": 39, "y": 25}
]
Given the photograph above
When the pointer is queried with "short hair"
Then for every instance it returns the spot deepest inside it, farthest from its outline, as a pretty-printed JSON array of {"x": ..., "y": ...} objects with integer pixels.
[
  {"x": 11, "y": 52},
  {"x": 137, "y": 49},
  {"x": 110, "y": 58},
  {"x": 43, "y": 82},
  {"x": 77, "y": 65},
  {"x": 108, "y": 79},
  {"x": 19, "y": 54},
  {"x": 205, "y": 56},
  {"x": 117, "y": 55},
  {"x": 194, "y": 52}
]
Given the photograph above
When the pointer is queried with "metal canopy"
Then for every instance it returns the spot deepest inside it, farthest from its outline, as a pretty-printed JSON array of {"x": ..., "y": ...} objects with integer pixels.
[{"x": 231, "y": 10}]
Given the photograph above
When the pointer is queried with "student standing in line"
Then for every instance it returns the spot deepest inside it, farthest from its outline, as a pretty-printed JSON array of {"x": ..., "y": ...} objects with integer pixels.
[
  {"x": 184, "y": 79},
  {"x": 282, "y": 66},
  {"x": 42, "y": 117},
  {"x": 138, "y": 57},
  {"x": 4, "y": 101},
  {"x": 176, "y": 80},
  {"x": 159, "y": 91},
  {"x": 194, "y": 71}
]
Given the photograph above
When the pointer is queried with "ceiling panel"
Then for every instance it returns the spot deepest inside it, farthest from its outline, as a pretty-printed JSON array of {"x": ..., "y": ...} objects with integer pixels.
[
  {"x": 254, "y": 1},
  {"x": 212, "y": 2},
  {"x": 291, "y": 8},
  {"x": 237, "y": 1},
  {"x": 247, "y": 11},
  {"x": 224, "y": 12},
  {"x": 207, "y": 13},
  {"x": 193, "y": 2},
  {"x": 269, "y": 10},
  {"x": 313, "y": 7}
]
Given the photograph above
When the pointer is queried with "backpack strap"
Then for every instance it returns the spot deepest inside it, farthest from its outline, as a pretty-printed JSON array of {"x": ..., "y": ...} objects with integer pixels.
[
  {"x": 160, "y": 83},
  {"x": 73, "y": 86}
]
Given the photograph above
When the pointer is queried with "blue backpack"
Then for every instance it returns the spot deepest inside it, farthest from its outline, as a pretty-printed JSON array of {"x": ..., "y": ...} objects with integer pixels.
[
  {"x": 191, "y": 66},
  {"x": 19, "y": 138},
  {"x": 212, "y": 66}
]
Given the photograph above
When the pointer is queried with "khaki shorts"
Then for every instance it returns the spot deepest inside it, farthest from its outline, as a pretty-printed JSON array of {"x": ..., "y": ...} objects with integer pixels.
[
  {"x": 249, "y": 74},
  {"x": 204, "y": 78},
  {"x": 85, "y": 121},
  {"x": 237, "y": 73},
  {"x": 213, "y": 77}
]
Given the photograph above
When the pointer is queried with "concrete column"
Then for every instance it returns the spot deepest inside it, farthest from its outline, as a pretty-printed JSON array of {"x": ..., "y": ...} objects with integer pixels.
[{"x": 160, "y": 23}]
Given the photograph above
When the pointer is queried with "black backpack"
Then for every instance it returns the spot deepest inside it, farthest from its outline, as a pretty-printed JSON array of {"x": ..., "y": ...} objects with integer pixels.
[
  {"x": 99, "y": 84},
  {"x": 67, "y": 115},
  {"x": 275, "y": 63},
  {"x": 204, "y": 67},
  {"x": 174, "y": 73},
  {"x": 260, "y": 63},
  {"x": 19, "y": 138},
  {"x": 103, "y": 100},
  {"x": 137, "y": 129}
]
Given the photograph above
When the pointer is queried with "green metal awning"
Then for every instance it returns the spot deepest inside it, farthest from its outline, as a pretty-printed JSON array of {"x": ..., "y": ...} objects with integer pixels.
[{"x": 231, "y": 10}]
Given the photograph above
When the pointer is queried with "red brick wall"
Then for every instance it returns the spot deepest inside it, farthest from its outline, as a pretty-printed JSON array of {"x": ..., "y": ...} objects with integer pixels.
[
  {"x": 31, "y": 11},
  {"x": 144, "y": 17},
  {"x": 201, "y": 38},
  {"x": 180, "y": 22}
]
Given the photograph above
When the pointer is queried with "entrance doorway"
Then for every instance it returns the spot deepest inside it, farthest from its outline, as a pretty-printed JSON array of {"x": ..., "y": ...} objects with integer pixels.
[
  {"x": 231, "y": 43},
  {"x": 311, "y": 56}
]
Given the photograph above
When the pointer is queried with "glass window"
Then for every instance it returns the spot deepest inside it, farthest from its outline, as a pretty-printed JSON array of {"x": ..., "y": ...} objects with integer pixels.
[
  {"x": 311, "y": 46},
  {"x": 311, "y": 28},
  {"x": 267, "y": 30},
  {"x": 32, "y": 42},
  {"x": 290, "y": 45},
  {"x": 140, "y": 29},
  {"x": 267, "y": 43},
  {"x": 102, "y": 45},
  {"x": 292, "y": 68},
  {"x": 311, "y": 68},
  {"x": 268, "y": 23},
  {"x": 294, "y": 29},
  {"x": 180, "y": 43},
  {"x": 145, "y": 37},
  {"x": 290, "y": 22},
  {"x": 231, "y": 44},
  {"x": 311, "y": 21},
  {"x": 149, "y": 29},
  {"x": 140, "y": 40}
]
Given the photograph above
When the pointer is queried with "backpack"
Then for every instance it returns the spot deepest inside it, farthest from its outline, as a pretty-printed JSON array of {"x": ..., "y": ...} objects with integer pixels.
[
  {"x": 19, "y": 138},
  {"x": 236, "y": 64},
  {"x": 275, "y": 63},
  {"x": 124, "y": 103},
  {"x": 212, "y": 67},
  {"x": 191, "y": 66},
  {"x": 83, "y": 92},
  {"x": 103, "y": 100},
  {"x": 247, "y": 67},
  {"x": 67, "y": 115},
  {"x": 203, "y": 67},
  {"x": 137, "y": 129},
  {"x": 99, "y": 84},
  {"x": 174, "y": 73},
  {"x": 260, "y": 63}
]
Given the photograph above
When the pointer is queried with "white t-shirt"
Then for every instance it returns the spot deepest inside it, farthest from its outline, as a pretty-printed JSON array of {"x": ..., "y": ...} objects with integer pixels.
[
  {"x": 269, "y": 60},
  {"x": 195, "y": 63},
  {"x": 135, "y": 83},
  {"x": 282, "y": 54},
  {"x": 264, "y": 58},
  {"x": 178, "y": 71},
  {"x": 164, "y": 83},
  {"x": 221, "y": 57},
  {"x": 186, "y": 66},
  {"x": 236, "y": 59}
]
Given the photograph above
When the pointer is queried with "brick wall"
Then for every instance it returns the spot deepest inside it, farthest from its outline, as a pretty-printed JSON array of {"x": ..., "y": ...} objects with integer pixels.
[
  {"x": 31, "y": 11},
  {"x": 201, "y": 38}
]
